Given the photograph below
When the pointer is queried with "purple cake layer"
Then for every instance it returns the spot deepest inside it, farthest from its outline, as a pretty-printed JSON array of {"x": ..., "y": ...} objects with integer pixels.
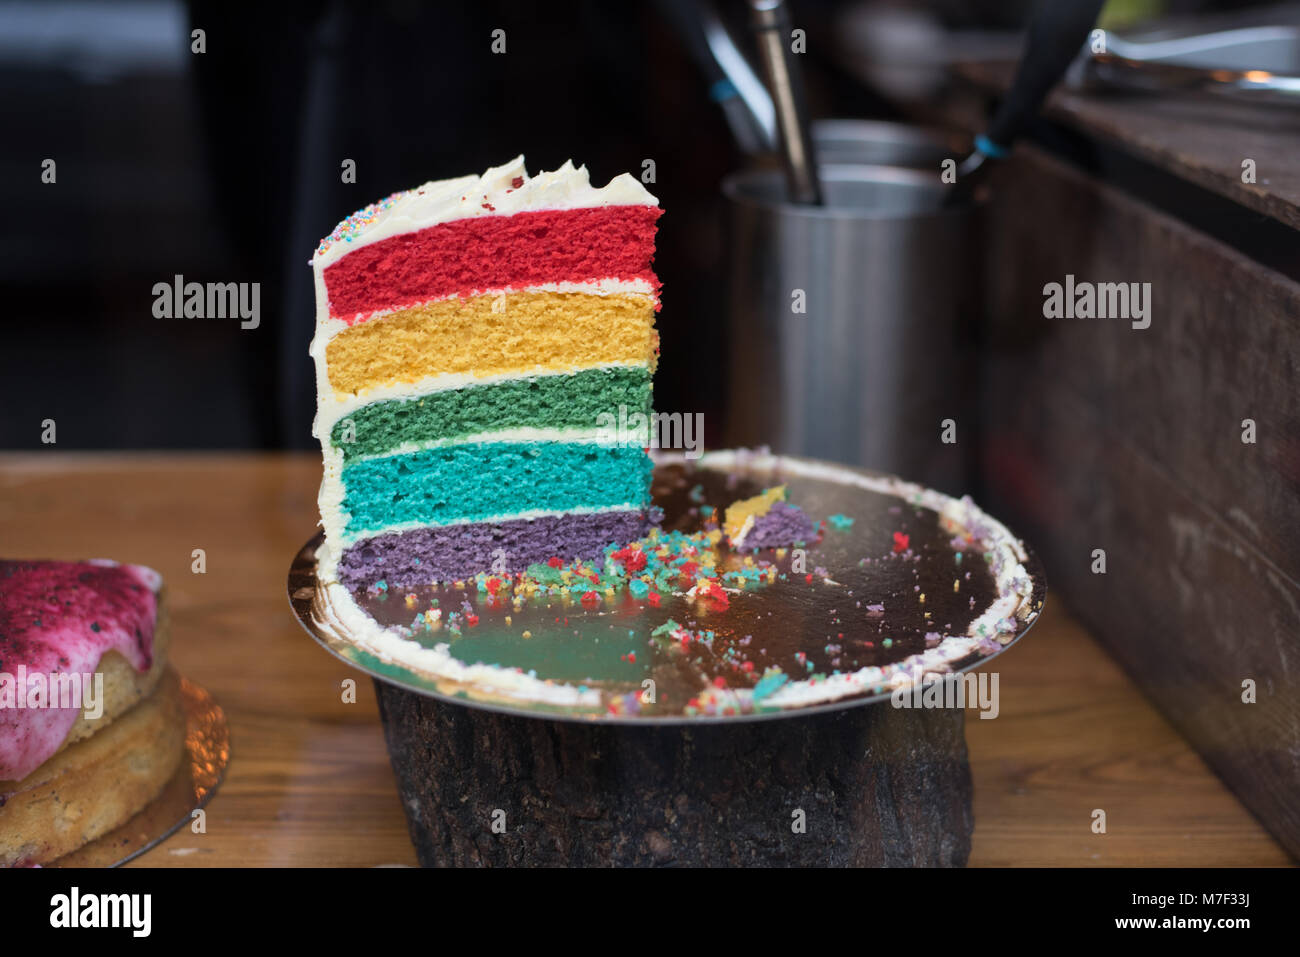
[
  {"x": 455, "y": 552},
  {"x": 784, "y": 524}
]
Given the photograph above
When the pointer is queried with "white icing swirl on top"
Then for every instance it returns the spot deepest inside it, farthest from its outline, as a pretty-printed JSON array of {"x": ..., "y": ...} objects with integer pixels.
[{"x": 501, "y": 191}]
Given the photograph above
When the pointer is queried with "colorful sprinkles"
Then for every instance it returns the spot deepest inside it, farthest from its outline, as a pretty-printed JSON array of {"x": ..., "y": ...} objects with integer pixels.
[{"x": 346, "y": 231}]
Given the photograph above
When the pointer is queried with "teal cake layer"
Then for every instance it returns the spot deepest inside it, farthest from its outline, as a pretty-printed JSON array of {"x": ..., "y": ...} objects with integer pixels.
[
  {"x": 566, "y": 401},
  {"x": 478, "y": 480}
]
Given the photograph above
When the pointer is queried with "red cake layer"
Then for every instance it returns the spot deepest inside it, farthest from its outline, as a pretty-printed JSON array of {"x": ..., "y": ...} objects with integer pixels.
[{"x": 491, "y": 252}]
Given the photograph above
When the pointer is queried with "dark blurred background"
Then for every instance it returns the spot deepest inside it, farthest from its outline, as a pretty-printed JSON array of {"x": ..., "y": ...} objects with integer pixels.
[{"x": 225, "y": 166}]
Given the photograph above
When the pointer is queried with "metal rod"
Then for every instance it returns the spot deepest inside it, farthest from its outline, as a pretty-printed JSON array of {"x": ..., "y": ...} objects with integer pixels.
[{"x": 772, "y": 26}]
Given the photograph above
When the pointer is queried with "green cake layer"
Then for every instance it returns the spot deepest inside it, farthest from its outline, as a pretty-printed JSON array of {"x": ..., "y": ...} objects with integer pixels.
[
  {"x": 479, "y": 480},
  {"x": 565, "y": 401}
]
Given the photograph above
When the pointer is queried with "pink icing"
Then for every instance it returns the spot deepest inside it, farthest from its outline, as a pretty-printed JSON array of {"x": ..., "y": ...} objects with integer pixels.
[{"x": 61, "y": 617}]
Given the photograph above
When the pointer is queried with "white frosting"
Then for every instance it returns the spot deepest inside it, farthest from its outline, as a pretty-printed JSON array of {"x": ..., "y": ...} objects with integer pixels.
[
  {"x": 333, "y": 518},
  {"x": 492, "y": 194},
  {"x": 592, "y": 436}
]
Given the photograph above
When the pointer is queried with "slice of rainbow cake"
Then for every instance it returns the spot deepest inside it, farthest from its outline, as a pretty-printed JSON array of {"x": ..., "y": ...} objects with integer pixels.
[{"x": 470, "y": 335}]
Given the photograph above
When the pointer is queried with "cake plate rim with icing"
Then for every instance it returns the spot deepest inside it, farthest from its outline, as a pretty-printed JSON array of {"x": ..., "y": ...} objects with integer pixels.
[{"x": 301, "y": 592}]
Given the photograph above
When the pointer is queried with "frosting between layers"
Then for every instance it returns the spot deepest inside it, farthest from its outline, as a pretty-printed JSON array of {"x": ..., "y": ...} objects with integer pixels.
[
  {"x": 522, "y": 435},
  {"x": 62, "y": 618}
]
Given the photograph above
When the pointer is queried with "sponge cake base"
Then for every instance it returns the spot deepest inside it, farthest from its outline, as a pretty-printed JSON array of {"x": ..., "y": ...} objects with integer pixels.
[{"x": 94, "y": 785}]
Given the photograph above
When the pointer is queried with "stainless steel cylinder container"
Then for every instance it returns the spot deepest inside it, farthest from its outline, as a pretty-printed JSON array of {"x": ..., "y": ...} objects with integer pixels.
[{"x": 850, "y": 323}]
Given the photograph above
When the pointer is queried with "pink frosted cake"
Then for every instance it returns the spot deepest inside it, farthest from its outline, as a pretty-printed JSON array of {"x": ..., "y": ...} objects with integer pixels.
[{"x": 90, "y": 720}]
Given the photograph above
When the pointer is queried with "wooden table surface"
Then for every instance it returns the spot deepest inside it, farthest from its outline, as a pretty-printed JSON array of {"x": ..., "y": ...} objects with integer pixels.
[{"x": 309, "y": 782}]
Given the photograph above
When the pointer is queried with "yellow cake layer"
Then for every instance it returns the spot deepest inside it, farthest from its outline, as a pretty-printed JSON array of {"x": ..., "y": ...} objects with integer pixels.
[{"x": 492, "y": 335}]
